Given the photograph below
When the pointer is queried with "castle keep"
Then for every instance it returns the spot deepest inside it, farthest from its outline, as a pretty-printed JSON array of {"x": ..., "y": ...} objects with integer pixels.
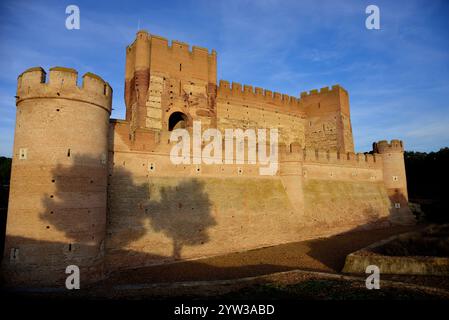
[{"x": 102, "y": 193}]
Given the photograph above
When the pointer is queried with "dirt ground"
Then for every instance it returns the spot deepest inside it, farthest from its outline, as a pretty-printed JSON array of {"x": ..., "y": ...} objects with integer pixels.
[
  {"x": 325, "y": 255},
  {"x": 313, "y": 273}
]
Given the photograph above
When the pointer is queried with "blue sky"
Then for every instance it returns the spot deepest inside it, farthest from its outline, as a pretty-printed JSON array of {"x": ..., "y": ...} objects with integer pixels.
[{"x": 397, "y": 77}]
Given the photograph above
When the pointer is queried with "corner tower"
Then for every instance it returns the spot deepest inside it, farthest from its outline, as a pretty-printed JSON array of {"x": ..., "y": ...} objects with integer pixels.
[
  {"x": 395, "y": 179},
  {"x": 58, "y": 196},
  {"x": 328, "y": 122}
]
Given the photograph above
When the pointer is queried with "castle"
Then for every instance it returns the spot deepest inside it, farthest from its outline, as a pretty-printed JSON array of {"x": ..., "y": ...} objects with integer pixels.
[{"x": 102, "y": 193}]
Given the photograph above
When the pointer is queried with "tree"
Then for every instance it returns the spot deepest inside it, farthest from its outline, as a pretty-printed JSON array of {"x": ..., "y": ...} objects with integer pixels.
[{"x": 427, "y": 179}]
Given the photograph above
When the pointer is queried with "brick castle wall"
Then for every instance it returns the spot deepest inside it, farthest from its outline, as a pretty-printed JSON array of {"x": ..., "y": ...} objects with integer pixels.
[{"x": 103, "y": 194}]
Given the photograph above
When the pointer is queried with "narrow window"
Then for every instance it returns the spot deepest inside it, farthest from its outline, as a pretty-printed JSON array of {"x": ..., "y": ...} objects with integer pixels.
[
  {"x": 180, "y": 67},
  {"x": 68, "y": 153},
  {"x": 14, "y": 255},
  {"x": 23, "y": 153}
]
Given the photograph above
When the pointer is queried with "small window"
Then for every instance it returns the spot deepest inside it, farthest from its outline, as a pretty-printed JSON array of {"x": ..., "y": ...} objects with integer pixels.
[
  {"x": 397, "y": 205},
  {"x": 395, "y": 178},
  {"x": 14, "y": 255},
  {"x": 180, "y": 67},
  {"x": 23, "y": 153},
  {"x": 103, "y": 158}
]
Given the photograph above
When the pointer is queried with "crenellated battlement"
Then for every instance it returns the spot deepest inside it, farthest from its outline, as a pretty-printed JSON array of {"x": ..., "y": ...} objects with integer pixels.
[
  {"x": 325, "y": 100},
  {"x": 248, "y": 92},
  {"x": 236, "y": 90},
  {"x": 325, "y": 90},
  {"x": 152, "y": 54},
  {"x": 384, "y": 147},
  {"x": 295, "y": 152},
  {"x": 63, "y": 84},
  {"x": 175, "y": 45}
]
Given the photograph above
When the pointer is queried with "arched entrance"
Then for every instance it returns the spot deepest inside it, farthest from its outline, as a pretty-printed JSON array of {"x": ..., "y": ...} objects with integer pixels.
[{"x": 177, "y": 120}]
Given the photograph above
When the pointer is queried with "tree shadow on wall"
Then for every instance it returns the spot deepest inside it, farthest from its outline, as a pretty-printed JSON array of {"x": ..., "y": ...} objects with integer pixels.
[
  {"x": 77, "y": 206},
  {"x": 182, "y": 213}
]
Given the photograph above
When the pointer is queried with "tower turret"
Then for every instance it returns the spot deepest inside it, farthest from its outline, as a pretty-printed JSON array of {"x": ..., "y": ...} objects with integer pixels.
[
  {"x": 58, "y": 197},
  {"x": 328, "y": 123},
  {"x": 395, "y": 179}
]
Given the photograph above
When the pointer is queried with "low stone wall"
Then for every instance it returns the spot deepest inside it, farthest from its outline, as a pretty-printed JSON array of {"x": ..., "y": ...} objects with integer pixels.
[{"x": 380, "y": 254}]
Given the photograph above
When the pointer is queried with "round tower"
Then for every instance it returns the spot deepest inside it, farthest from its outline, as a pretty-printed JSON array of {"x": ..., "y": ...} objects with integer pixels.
[
  {"x": 395, "y": 179},
  {"x": 58, "y": 196}
]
